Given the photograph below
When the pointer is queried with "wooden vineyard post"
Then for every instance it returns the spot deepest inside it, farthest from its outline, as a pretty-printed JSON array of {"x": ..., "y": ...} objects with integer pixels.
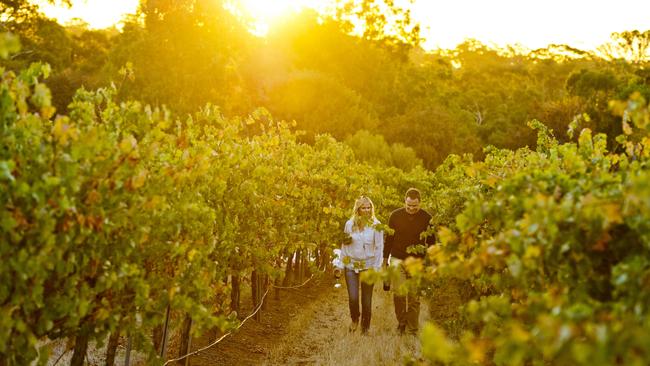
[
  {"x": 288, "y": 273},
  {"x": 305, "y": 263},
  {"x": 163, "y": 347},
  {"x": 112, "y": 347},
  {"x": 80, "y": 346},
  {"x": 265, "y": 285},
  {"x": 186, "y": 341},
  {"x": 127, "y": 355},
  {"x": 256, "y": 286},
  {"x": 298, "y": 265},
  {"x": 234, "y": 293},
  {"x": 276, "y": 281}
]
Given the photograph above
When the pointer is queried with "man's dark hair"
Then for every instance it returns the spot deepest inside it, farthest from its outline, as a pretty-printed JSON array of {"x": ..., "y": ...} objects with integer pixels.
[{"x": 413, "y": 193}]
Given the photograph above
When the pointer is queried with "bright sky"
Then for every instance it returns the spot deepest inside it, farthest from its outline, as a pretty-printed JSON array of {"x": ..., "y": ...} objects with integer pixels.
[
  {"x": 97, "y": 13},
  {"x": 533, "y": 23},
  {"x": 445, "y": 23}
]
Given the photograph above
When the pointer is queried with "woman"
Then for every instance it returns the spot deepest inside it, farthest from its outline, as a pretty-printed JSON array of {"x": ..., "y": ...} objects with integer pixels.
[{"x": 362, "y": 252}]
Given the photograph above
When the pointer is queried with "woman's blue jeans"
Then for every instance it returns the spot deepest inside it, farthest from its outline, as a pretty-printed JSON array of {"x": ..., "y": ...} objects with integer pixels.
[{"x": 353, "y": 282}]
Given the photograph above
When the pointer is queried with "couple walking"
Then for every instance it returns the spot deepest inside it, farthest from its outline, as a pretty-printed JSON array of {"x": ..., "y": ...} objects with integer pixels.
[{"x": 368, "y": 248}]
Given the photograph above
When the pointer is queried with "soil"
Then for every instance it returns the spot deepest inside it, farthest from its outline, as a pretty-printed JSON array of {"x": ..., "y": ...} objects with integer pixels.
[
  {"x": 256, "y": 342},
  {"x": 307, "y": 326}
]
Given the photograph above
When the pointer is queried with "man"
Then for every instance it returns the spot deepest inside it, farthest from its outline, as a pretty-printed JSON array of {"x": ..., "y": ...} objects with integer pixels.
[{"x": 408, "y": 223}]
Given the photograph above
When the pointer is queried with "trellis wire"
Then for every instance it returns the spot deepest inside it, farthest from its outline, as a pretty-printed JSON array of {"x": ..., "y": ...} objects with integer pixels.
[{"x": 259, "y": 306}]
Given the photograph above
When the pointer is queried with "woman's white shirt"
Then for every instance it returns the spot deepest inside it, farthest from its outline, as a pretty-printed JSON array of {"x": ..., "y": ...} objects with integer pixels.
[{"x": 366, "y": 249}]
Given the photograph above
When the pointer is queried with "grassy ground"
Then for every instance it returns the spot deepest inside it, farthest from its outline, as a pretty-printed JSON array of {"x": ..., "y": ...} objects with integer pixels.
[
  {"x": 308, "y": 326},
  {"x": 319, "y": 336}
]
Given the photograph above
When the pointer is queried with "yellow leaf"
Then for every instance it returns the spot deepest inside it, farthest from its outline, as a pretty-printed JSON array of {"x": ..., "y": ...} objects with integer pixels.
[
  {"x": 63, "y": 131},
  {"x": 435, "y": 253},
  {"x": 612, "y": 212},
  {"x": 532, "y": 251},
  {"x": 477, "y": 350},
  {"x": 446, "y": 235},
  {"x": 173, "y": 291},
  {"x": 490, "y": 181},
  {"x": 470, "y": 171},
  {"x": 413, "y": 265},
  {"x": 468, "y": 241},
  {"x": 102, "y": 314},
  {"x": 645, "y": 143},
  {"x": 518, "y": 333},
  {"x": 47, "y": 111},
  {"x": 626, "y": 128},
  {"x": 153, "y": 202},
  {"x": 128, "y": 144},
  {"x": 435, "y": 344},
  {"x": 138, "y": 180}
]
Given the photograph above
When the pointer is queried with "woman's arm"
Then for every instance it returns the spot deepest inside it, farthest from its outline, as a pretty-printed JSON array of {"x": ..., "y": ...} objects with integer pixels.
[
  {"x": 379, "y": 248},
  {"x": 348, "y": 230}
]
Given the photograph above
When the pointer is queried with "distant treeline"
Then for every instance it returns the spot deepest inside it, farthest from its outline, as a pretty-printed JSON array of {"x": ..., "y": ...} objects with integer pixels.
[{"x": 311, "y": 69}]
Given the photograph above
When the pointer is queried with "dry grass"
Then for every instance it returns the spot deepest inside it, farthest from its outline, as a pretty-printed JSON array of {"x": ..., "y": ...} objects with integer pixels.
[
  {"x": 315, "y": 335},
  {"x": 319, "y": 336}
]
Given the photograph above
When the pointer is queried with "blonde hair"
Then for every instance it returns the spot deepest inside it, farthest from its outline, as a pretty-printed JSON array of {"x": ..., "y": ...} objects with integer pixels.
[{"x": 358, "y": 222}]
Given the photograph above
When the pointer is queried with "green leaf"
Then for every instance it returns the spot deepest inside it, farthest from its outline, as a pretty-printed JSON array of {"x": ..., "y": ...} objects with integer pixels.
[
  {"x": 9, "y": 44},
  {"x": 5, "y": 170}
]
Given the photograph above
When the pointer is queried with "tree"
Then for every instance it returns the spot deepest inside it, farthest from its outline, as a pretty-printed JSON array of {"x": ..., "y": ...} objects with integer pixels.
[
  {"x": 434, "y": 132},
  {"x": 375, "y": 150},
  {"x": 380, "y": 21},
  {"x": 187, "y": 53},
  {"x": 300, "y": 98},
  {"x": 633, "y": 46}
]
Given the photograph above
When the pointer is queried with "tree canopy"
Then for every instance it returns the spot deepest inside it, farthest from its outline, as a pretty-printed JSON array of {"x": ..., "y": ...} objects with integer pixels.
[{"x": 358, "y": 66}]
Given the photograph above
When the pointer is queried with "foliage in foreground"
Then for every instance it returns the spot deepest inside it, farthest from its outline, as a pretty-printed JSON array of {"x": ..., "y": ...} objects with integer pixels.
[
  {"x": 112, "y": 213},
  {"x": 555, "y": 245}
]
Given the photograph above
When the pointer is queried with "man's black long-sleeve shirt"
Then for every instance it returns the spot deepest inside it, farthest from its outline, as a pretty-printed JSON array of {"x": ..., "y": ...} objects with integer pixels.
[{"x": 408, "y": 228}]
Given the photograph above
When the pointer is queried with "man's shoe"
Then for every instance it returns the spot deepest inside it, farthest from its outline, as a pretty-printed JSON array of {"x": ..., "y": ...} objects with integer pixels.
[
  {"x": 413, "y": 332},
  {"x": 401, "y": 329}
]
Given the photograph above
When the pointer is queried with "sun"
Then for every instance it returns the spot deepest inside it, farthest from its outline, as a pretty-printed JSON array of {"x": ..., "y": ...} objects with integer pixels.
[
  {"x": 269, "y": 9},
  {"x": 265, "y": 13}
]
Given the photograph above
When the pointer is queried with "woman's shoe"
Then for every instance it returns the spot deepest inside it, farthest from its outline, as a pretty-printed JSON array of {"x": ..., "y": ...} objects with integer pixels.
[{"x": 353, "y": 327}]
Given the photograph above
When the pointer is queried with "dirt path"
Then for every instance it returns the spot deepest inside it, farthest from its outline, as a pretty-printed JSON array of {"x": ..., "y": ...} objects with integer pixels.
[
  {"x": 319, "y": 336},
  {"x": 253, "y": 342},
  {"x": 308, "y": 326}
]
